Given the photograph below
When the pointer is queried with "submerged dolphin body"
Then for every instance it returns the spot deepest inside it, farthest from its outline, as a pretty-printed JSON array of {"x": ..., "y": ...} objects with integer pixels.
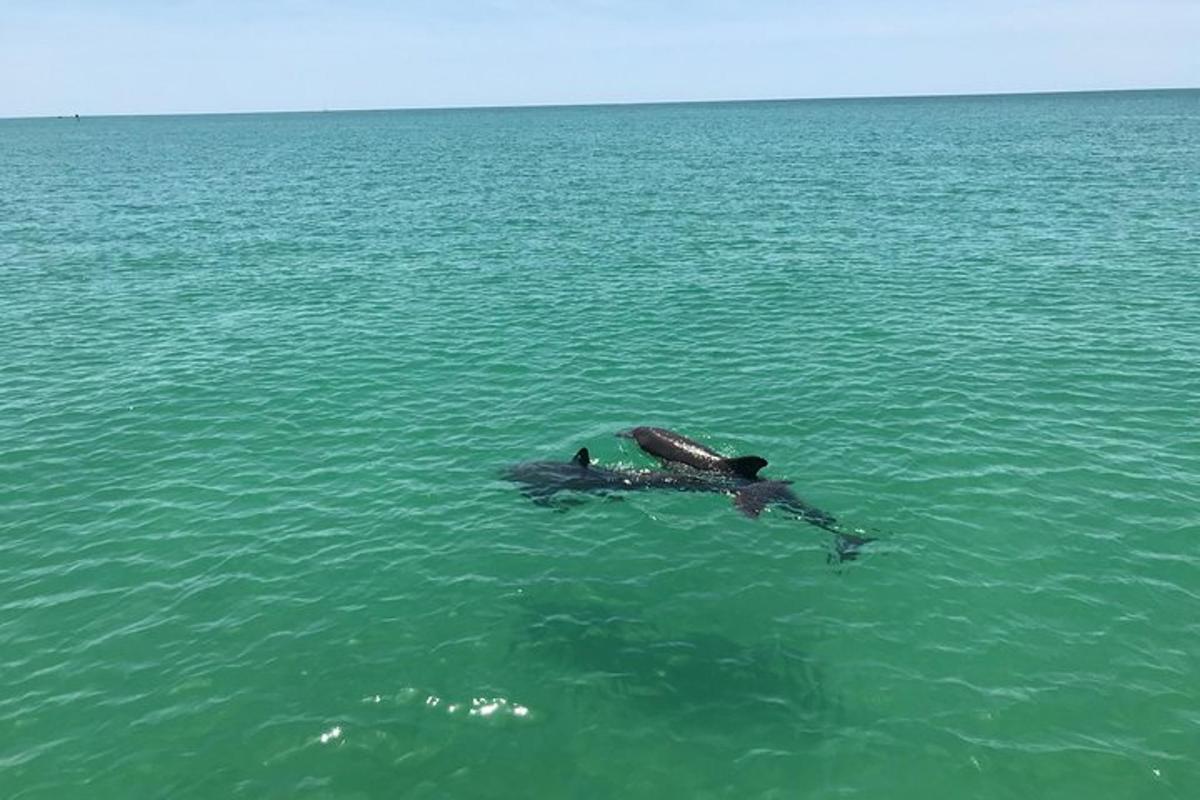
[
  {"x": 541, "y": 481},
  {"x": 675, "y": 448}
]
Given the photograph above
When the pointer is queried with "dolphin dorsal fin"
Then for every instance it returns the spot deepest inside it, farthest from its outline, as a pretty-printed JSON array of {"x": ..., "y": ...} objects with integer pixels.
[
  {"x": 745, "y": 466},
  {"x": 582, "y": 458}
]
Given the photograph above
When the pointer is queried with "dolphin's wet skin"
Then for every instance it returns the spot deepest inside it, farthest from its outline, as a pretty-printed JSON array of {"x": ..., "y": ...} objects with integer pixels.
[
  {"x": 692, "y": 467},
  {"x": 674, "y": 449}
]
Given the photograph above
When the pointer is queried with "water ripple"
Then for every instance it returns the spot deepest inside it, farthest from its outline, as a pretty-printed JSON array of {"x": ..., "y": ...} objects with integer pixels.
[{"x": 261, "y": 375}]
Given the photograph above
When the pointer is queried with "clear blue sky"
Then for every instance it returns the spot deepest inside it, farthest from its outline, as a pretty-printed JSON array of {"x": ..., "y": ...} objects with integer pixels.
[{"x": 161, "y": 56}]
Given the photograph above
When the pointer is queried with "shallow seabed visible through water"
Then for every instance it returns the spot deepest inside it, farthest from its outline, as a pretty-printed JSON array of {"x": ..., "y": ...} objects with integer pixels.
[{"x": 261, "y": 374}]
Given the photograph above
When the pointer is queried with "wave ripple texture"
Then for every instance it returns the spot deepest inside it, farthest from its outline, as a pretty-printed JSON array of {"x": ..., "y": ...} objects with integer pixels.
[{"x": 261, "y": 374}]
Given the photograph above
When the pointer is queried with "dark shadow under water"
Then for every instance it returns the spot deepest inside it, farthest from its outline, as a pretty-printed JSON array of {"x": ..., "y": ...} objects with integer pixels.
[{"x": 691, "y": 679}]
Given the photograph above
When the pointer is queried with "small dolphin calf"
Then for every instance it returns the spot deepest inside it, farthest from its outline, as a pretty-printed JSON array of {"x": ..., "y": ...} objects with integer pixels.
[{"x": 675, "y": 448}]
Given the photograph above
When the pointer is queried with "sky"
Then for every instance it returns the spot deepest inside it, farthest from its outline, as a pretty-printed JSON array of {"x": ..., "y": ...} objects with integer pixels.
[{"x": 185, "y": 56}]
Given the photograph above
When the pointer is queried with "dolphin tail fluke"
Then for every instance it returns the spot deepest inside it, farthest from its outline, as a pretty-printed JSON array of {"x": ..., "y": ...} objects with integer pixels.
[
  {"x": 846, "y": 546},
  {"x": 744, "y": 466}
]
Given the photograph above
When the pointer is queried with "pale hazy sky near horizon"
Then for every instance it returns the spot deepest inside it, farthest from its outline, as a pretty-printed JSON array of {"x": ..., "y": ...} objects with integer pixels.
[{"x": 175, "y": 56}]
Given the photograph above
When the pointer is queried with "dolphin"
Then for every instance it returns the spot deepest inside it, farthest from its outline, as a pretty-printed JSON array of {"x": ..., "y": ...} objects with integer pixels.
[
  {"x": 675, "y": 449},
  {"x": 671, "y": 448},
  {"x": 541, "y": 481}
]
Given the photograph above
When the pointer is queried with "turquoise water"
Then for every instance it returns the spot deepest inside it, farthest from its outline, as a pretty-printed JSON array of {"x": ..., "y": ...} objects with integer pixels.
[{"x": 261, "y": 375}]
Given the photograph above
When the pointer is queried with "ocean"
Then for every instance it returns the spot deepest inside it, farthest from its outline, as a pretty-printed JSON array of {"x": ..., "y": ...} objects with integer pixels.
[{"x": 261, "y": 376}]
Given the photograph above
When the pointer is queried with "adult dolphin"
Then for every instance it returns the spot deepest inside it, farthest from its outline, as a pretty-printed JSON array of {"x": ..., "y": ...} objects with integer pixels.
[
  {"x": 542, "y": 481},
  {"x": 674, "y": 449}
]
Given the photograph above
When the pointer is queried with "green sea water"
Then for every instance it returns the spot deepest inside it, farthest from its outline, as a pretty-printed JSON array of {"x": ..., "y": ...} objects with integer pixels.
[{"x": 260, "y": 375}]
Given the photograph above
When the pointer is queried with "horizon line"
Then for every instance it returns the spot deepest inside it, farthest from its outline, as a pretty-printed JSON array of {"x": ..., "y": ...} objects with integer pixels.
[{"x": 603, "y": 103}]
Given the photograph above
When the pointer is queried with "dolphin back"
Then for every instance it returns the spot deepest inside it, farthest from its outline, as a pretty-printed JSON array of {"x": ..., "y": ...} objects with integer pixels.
[
  {"x": 675, "y": 448},
  {"x": 753, "y": 498}
]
